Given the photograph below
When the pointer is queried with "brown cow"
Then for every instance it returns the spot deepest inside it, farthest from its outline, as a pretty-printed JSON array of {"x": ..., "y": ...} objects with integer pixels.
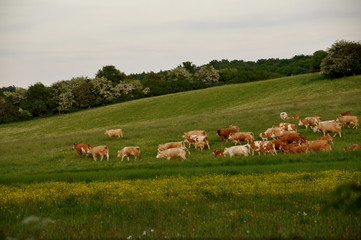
[
  {"x": 345, "y": 114},
  {"x": 309, "y": 121},
  {"x": 352, "y": 147},
  {"x": 286, "y": 126},
  {"x": 225, "y": 132},
  {"x": 294, "y": 148},
  {"x": 194, "y": 132},
  {"x": 328, "y": 127},
  {"x": 129, "y": 151},
  {"x": 328, "y": 138},
  {"x": 291, "y": 137},
  {"x": 348, "y": 120},
  {"x": 100, "y": 151},
  {"x": 168, "y": 145},
  {"x": 239, "y": 137},
  {"x": 81, "y": 148},
  {"x": 317, "y": 145},
  {"x": 218, "y": 152}
]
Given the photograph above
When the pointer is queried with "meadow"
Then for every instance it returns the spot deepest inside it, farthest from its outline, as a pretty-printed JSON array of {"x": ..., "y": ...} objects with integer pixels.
[{"x": 47, "y": 191}]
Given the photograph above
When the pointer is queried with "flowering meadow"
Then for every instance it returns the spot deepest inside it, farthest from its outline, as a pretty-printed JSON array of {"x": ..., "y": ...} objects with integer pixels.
[{"x": 222, "y": 205}]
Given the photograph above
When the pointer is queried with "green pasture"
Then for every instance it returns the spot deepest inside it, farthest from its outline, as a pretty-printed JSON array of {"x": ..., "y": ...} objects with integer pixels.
[{"x": 40, "y": 150}]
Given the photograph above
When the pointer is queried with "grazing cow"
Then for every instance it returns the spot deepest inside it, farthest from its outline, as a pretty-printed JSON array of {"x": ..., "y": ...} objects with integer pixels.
[
  {"x": 294, "y": 148},
  {"x": 129, "y": 151},
  {"x": 239, "y": 137},
  {"x": 328, "y": 127},
  {"x": 242, "y": 150},
  {"x": 292, "y": 137},
  {"x": 317, "y": 145},
  {"x": 283, "y": 115},
  {"x": 295, "y": 116},
  {"x": 173, "y": 153},
  {"x": 197, "y": 141},
  {"x": 168, "y": 145},
  {"x": 352, "y": 147},
  {"x": 255, "y": 146},
  {"x": 267, "y": 134},
  {"x": 286, "y": 126},
  {"x": 348, "y": 120},
  {"x": 268, "y": 147},
  {"x": 100, "y": 151},
  {"x": 114, "y": 133},
  {"x": 225, "y": 132},
  {"x": 218, "y": 152},
  {"x": 345, "y": 114},
  {"x": 277, "y": 132},
  {"x": 81, "y": 148},
  {"x": 328, "y": 138},
  {"x": 309, "y": 121},
  {"x": 194, "y": 132}
]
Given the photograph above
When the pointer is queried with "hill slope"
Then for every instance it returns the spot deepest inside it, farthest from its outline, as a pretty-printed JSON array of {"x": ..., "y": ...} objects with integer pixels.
[{"x": 43, "y": 146}]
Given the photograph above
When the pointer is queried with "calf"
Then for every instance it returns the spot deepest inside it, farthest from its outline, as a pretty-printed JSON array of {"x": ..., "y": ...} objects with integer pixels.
[
  {"x": 129, "y": 151},
  {"x": 168, "y": 145},
  {"x": 309, "y": 121},
  {"x": 348, "y": 120},
  {"x": 352, "y": 147},
  {"x": 114, "y": 133},
  {"x": 173, "y": 153},
  {"x": 100, "y": 151},
  {"x": 242, "y": 150},
  {"x": 81, "y": 148},
  {"x": 218, "y": 152}
]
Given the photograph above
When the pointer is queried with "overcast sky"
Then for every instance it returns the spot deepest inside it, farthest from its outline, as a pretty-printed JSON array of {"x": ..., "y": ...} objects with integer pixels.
[{"x": 52, "y": 40}]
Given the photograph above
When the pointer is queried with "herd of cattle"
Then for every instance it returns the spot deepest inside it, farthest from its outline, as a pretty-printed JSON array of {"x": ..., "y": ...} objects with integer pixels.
[{"x": 283, "y": 137}]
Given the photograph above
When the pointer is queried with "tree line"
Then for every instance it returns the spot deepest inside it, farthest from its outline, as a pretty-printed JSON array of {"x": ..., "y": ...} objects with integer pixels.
[{"x": 112, "y": 86}]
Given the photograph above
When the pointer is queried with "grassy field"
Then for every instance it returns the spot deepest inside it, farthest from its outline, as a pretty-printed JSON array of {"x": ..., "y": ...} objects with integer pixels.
[{"x": 47, "y": 191}]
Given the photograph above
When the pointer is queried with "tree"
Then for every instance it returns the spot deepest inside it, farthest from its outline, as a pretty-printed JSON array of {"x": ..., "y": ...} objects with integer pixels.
[
  {"x": 84, "y": 96},
  {"x": 111, "y": 73},
  {"x": 179, "y": 73},
  {"x": 343, "y": 59},
  {"x": 40, "y": 100},
  {"x": 190, "y": 67},
  {"x": 103, "y": 90},
  {"x": 207, "y": 74},
  {"x": 316, "y": 60},
  {"x": 63, "y": 96}
]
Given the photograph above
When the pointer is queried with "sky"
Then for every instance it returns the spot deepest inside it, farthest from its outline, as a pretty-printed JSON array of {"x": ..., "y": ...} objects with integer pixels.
[{"x": 53, "y": 40}]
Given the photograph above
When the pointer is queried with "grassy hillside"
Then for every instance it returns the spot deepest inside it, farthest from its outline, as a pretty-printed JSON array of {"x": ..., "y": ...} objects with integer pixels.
[
  {"x": 42, "y": 148},
  {"x": 48, "y": 192}
]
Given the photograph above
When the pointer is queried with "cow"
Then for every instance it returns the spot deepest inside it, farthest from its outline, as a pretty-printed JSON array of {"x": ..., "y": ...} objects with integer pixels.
[
  {"x": 292, "y": 137},
  {"x": 268, "y": 147},
  {"x": 129, "y": 151},
  {"x": 225, "y": 132},
  {"x": 348, "y": 120},
  {"x": 345, "y": 114},
  {"x": 114, "y": 133},
  {"x": 255, "y": 146},
  {"x": 352, "y": 147},
  {"x": 283, "y": 115},
  {"x": 286, "y": 126},
  {"x": 168, "y": 145},
  {"x": 328, "y": 138},
  {"x": 197, "y": 141},
  {"x": 328, "y": 127},
  {"x": 317, "y": 145},
  {"x": 309, "y": 121},
  {"x": 277, "y": 132},
  {"x": 295, "y": 116},
  {"x": 81, "y": 148},
  {"x": 242, "y": 150},
  {"x": 239, "y": 137},
  {"x": 194, "y": 132},
  {"x": 179, "y": 152},
  {"x": 294, "y": 148},
  {"x": 267, "y": 134},
  {"x": 102, "y": 151},
  {"x": 218, "y": 152}
]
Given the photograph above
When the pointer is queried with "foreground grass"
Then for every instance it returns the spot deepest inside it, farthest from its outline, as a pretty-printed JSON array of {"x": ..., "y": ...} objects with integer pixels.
[{"x": 282, "y": 205}]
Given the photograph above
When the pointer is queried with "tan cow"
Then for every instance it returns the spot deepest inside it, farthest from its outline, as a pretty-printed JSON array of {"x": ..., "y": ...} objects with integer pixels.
[
  {"x": 328, "y": 127},
  {"x": 168, "y": 145},
  {"x": 268, "y": 147},
  {"x": 100, "y": 151},
  {"x": 294, "y": 148},
  {"x": 309, "y": 121},
  {"x": 173, "y": 153},
  {"x": 348, "y": 120},
  {"x": 194, "y": 132},
  {"x": 81, "y": 148},
  {"x": 266, "y": 134},
  {"x": 114, "y": 133},
  {"x": 292, "y": 137},
  {"x": 319, "y": 145},
  {"x": 239, "y": 137},
  {"x": 286, "y": 126},
  {"x": 129, "y": 151},
  {"x": 352, "y": 147},
  {"x": 199, "y": 142},
  {"x": 242, "y": 150}
]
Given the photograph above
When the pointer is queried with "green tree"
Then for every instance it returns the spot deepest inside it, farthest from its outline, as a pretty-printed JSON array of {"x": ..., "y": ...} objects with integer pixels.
[
  {"x": 207, "y": 74},
  {"x": 111, "y": 73},
  {"x": 316, "y": 60},
  {"x": 343, "y": 59},
  {"x": 190, "y": 67},
  {"x": 39, "y": 100},
  {"x": 84, "y": 96},
  {"x": 63, "y": 96}
]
